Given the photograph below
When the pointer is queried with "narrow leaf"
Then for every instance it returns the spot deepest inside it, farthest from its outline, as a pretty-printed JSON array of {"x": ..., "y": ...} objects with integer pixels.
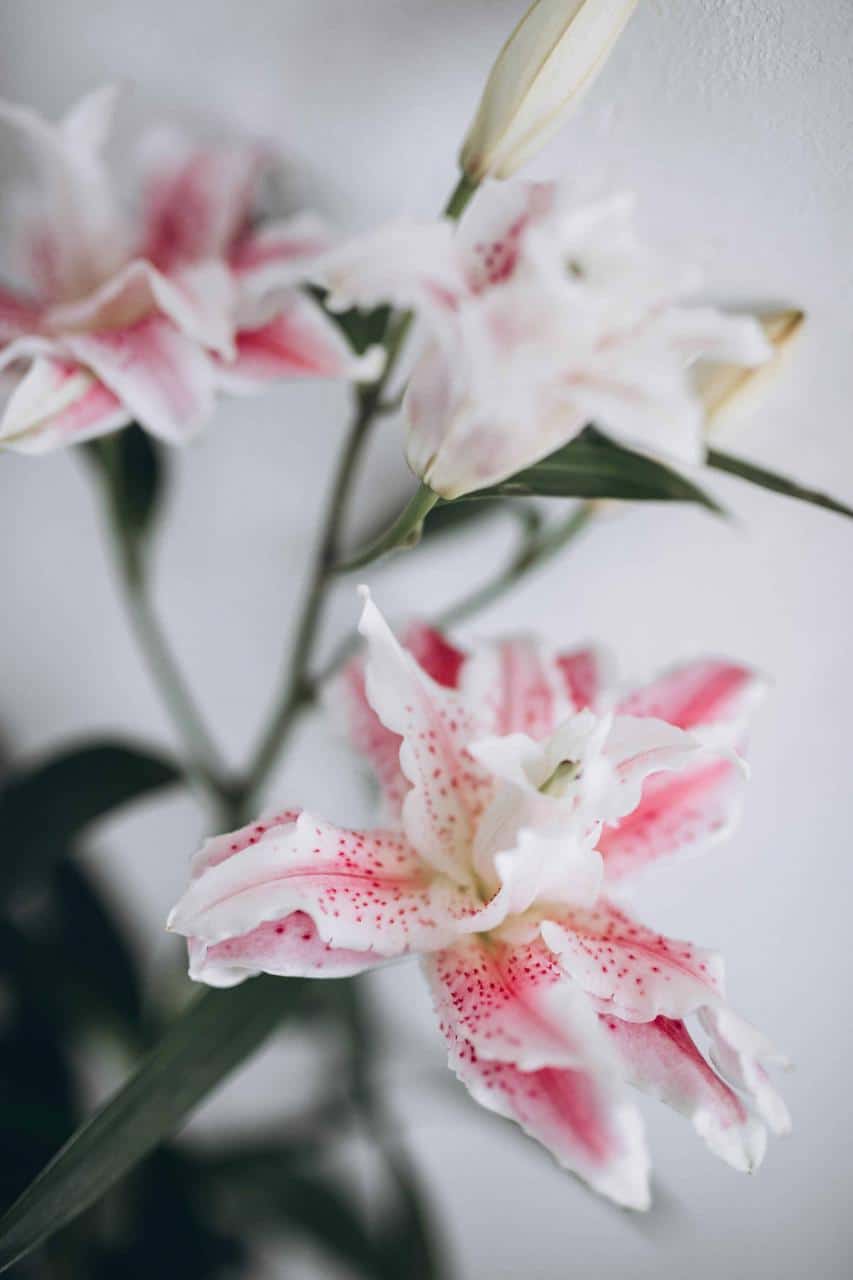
[
  {"x": 44, "y": 808},
  {"x": 213, "y": 1036},
  {"x": 776, "y": 483},
  {"x": 592, "y": 466}
]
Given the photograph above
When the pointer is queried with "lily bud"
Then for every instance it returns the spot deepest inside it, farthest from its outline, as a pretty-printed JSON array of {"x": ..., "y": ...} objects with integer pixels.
[
  {"x": 724, "y": 388},
  {"x": 552, "y": 56}
]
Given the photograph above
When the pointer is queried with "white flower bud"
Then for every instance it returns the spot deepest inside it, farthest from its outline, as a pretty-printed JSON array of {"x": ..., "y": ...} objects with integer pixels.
[{"x": 552, "y": 56}]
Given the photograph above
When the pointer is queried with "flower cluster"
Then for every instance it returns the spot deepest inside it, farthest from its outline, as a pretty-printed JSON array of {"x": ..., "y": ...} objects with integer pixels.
[
  {"x": 120, "y": 322},
  {"x": 520, "y": 789},
  {"x": 542, "y": 316}
]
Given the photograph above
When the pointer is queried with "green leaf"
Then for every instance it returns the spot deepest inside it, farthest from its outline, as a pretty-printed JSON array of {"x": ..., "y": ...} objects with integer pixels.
[
  {"x": 44, "y": 808},
  {"x": 362, "y": 329},
  {"x": 592, "y": 466},
  {"x": 135, "y": 468},
  {"x": 213, "y": 1036},
  {"x": 775, "y": 483}
]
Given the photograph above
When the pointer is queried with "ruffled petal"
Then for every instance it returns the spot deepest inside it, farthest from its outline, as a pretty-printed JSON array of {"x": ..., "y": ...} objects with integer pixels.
[
  {"x": 741, "y": 1054},
  {"x": 298, "y": 342},
  {"x": 574, "y": 1114},
  {"x": 714, "y": 700},
  {"x": 163, "y": 378},
  {"x": 448, "y": 788},
  {"x": 367, "y": 892},
  {"x": 512, "y": 1003},
  {"x": 289, "y": 948},
  {"x": 197, "y": 201},
  {"x": 660, "y": 1058},
  {"x": 57, "y": 403},
  {"x": 518, "y": 686},
  {"x": 638, "y": 974}
]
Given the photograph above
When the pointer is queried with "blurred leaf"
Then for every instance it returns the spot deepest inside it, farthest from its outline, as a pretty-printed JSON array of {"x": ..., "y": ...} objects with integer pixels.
[
  {"x": 407, "y": 1233},
  {"x": 592, "y": 466},
  {"x": 208, "y": 1040},
  {"x": 362, "y": 329},
  {"x": 42, "y": 809},
  {"x": 134, "y": 466},
  {"x": 97, "y": 966},
  {"x": 268, "y": 1191},
  {"x": 775, "y": 483}
]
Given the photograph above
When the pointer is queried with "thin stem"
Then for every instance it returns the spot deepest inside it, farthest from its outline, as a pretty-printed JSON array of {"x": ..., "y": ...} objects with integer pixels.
[
  {"x": 295, "y": 694},
  {"x": 531, "y": 556},
  {"x": 204, "y": 764},
  {"x": 459, "y": 197}
]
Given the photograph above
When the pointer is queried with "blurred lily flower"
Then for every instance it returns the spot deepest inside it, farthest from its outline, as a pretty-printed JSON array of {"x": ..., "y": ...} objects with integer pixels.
[
  {"x": 519, "y": 794},
  {"x": 542, "y": 316},
  {"x": 147, "y": 321},
  {"x": 551, "y": 58}
]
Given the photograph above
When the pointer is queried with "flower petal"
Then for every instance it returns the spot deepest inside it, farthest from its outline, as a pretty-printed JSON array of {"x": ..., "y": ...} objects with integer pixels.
[
  {"x": 638, "y": 973},
  {"x": 706, "y": 692},
  {"x": 290, "y": 948},
  {"x": 18, "y": 314},
  {"x": 512, "y": 1002},
  {"x": 575, "y": 1116},
  {"x": 739, "y": 1053},
  {"x": 298, "y": 342},
  {"x": 518, "y": 685},
  {"x": 587, "y": 673},
  {"x": 197, "y": 201},
  {"x": 366, "y": 892},
  {"x": 279, "y": 254},
  {"x": 370, "y": 739},
  {"x": 162, "y": 378},
  {"x": 55, "y": 404},
  {"x": 660, "y": 1058},
  {"x": 448, "y": 788},
  {"x": 407, "y": 264},
  {"x": 432, "y": 651}
]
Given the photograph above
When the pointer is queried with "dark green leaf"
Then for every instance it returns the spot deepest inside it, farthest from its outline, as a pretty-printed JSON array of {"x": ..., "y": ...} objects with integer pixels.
[
  {"x": 213, "y": 1036},
  {"x": 776, "y": 483},
  {"x": 43, "y": 809},
  {"x": 594, "y": 467}
]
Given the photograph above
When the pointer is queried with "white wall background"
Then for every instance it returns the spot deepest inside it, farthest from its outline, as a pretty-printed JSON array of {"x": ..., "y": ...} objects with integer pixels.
[{"x": 732, "y": 119}]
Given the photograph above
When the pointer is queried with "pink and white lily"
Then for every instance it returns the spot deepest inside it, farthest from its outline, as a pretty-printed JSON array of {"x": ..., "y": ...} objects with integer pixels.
[
  {"x": 518, "y": 794},
  {"x": 147, "y": 321},
  {"x": 542, "y": 316}
]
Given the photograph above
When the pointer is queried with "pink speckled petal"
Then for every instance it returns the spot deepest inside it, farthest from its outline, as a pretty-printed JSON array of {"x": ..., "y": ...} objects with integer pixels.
[
  {"x": 56, "y": 404},
  {"x": 370, "y": 739},
  {"x": 741, "y": 1053},
  {"x": 162, "y": 378},
  {"x": 638, "y": 973},
  {"x": 366, "y": 892},
  {"x": 661, "y": 1058},
  {"x": 678, "y": 814},
  {"x": 512, "y": 1002},
  {"x": 518, "y": 685},
  {"x": 448, "y": 788},
  {"x": 290, "y": 948},
  {"x": 589, "y": 1129}
]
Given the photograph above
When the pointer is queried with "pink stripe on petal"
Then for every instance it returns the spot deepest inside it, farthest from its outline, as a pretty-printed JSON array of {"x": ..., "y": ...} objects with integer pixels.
[
  {"x": 364, "y": 891},
  {"x": 57, "y": 404},
  {"x": 677, "y": 814},
  {"x": 660, "y": 1058},
  {"x": 198, "y": 205},
  {"x": 517, "y": 685},
  {"x": 434, "y": 653},
  {"x": 513, "y": 1003},
  {"x": 573, "y": 1114},
  {"x": 698, "y": 693},
  {"x": 638, "y": 973},
  {"x": 162, "y": 378},
  {"x": 299, "y": 342},
  {"x": 583, "y": 673}
]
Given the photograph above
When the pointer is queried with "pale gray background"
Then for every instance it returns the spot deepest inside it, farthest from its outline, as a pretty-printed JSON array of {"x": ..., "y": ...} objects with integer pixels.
[{"x": 732, "y": 119}]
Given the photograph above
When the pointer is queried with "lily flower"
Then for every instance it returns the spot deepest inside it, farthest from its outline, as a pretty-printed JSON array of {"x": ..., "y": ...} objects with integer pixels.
[
  {"x": 541, "y": 317},
  {"x": 518, "y": 795},
  {"x": 117, "y": 321}
]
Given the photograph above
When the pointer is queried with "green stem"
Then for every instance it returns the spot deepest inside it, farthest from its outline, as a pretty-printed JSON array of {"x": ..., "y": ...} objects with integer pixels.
[
  {"x": 460, "y": 196},
  {"x": 532, "y": 555},
  {"x": 404, "y": 532},
  {"x": 204, "y": 764}
]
